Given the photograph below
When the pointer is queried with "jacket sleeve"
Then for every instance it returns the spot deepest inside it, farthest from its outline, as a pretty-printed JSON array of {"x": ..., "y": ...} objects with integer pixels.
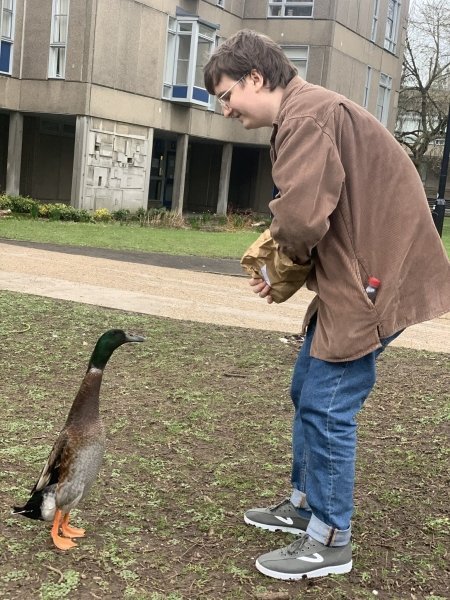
[{"x": 308, "y": 173}]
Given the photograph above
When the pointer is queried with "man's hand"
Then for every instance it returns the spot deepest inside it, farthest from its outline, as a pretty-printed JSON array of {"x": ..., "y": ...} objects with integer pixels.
[{"x": 260, "y": 287}]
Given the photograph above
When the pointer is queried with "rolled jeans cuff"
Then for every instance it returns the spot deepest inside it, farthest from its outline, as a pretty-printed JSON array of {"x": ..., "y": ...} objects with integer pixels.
[{"x": 329, "y": 536}]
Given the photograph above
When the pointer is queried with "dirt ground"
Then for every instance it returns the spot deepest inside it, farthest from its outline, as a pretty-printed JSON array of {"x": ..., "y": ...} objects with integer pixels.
[{"x": 198, "y": 421}]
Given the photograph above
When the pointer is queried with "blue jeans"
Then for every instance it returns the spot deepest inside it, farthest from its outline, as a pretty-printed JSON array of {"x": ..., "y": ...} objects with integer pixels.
[{"x": 327, "y": 397}]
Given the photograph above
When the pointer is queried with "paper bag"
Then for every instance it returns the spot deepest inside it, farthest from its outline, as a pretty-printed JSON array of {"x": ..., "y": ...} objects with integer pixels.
[{"x": 264, "y": 260}]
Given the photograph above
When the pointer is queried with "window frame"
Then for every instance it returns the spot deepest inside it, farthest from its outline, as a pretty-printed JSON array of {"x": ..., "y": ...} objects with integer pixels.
[
  {"x": 385, "y": 88},
  {"x": 299, "y": 47},
  {"x": 56, "y": 46},
  {"x": 7, "y": 41},
  {"x": 187, "y": 92},
  {"x": 392, "y": 26},
  {"x": 375, "y": 19},
  {"x": 367, "y": 86},
  {"x": 284, "y": 5}
]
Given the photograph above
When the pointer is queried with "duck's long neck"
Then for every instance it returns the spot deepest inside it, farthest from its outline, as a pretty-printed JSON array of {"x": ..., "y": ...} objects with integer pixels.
[{"x": 86, "y": 405}]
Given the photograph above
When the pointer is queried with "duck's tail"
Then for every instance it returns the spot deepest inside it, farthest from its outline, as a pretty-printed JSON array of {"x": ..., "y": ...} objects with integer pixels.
[
  {"x": 32, "y": 509},
  {"x": 41, "y": 505}
]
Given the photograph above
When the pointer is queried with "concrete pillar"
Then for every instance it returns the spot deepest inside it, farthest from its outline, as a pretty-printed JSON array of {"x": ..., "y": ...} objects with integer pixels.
[
  {"x": 224, "y": 181},
  {"x": 148, "y": 166},
  {"x": 180, "y": 173},
  {"x": 79, "y": 161},
  {"x": 14, "y": 154}
]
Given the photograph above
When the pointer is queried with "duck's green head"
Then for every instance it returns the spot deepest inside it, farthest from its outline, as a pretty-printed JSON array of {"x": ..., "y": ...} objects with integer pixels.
[{"x": 107, "y": 343}]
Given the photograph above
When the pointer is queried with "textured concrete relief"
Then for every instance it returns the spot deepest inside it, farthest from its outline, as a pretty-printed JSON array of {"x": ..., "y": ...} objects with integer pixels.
[{"x": 116, "y": 169}]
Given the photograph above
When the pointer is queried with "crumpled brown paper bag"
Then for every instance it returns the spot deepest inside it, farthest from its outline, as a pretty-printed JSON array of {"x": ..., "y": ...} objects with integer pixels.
[{"x": 264, "y": 260}]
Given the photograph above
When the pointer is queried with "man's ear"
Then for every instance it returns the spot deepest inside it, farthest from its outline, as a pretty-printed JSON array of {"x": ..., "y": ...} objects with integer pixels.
[{"x": 256, "y": 79}]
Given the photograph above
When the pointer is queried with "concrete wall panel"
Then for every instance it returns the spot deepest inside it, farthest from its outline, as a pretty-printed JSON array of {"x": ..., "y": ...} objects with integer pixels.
[
  {"x": 130, "y": 43},
  {"x": 36, "y": 42},
  {"x": 53, "y": 96}
]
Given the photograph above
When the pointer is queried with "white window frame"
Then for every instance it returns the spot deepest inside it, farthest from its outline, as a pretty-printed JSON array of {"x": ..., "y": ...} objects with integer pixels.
[
  {"x": 7, "y": 7},
  {"x": 177, "y": 31},
  {"x": 376, "y": 14},
  {"x": 383, "y": 98},
  {"x": 367, "y": 85},
  {"x": 58, "y": 47},
  {"x": 298, "y": 55},
  {"x": 392, "y": 22},
  {"x": 284, "y": 8}
]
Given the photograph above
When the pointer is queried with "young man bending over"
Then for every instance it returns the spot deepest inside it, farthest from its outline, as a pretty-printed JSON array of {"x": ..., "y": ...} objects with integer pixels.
[{"x": 351, "y": 201}]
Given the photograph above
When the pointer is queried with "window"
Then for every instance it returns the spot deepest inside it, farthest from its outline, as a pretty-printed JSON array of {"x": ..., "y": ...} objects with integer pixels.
[
  {"x": 393, "y": 13},
  {"x": 367, "y": 87},
  {"x": 189, "y": 46},
  {"x": 384, "y": 96},
  {"x": 298, "y": 55},
  {"x": 290, "y": 8},
  {"x": 221, "y": 3},
  {"x": 376, "y": 9},
  {"x": 7, "y": 35},
  {"x": 58, "y": 39}
]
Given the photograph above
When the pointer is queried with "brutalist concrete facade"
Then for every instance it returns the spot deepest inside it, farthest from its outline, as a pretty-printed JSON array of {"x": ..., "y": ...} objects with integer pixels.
[{"x": 101, "y": 103}]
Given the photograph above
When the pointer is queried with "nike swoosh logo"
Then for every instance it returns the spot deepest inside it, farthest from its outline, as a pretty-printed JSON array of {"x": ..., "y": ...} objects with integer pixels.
[
  {"x": 286, "y": 520},
  {"x": 315, "y": 558}
]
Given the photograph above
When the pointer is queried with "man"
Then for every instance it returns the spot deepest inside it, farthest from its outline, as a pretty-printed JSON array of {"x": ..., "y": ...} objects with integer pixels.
[{"x": 351, "y": 201}]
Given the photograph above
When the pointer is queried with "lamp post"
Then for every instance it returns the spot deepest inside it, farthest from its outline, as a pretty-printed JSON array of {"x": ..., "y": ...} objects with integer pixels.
[{"x": 439, "y": 207}]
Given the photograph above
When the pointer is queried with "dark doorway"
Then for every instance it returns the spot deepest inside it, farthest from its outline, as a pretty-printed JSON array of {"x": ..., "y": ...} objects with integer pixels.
[
  {"x": 47, "y": 158},
  {"x": 162, "y": 173},
  {"x": 243, "y": 177},
  {"x": 203, "y": 175}
]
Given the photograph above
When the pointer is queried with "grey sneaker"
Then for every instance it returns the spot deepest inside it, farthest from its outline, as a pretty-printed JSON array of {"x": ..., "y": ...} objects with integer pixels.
[
  {"x": 282, "y": 517},
  {"x": 306, "y": 558}
]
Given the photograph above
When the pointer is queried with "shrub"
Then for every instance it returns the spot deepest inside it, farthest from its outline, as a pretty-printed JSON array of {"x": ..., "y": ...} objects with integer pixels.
[
  {"x": 160, "y": 217},
  {"x": 22, "y": 204},
  {"x": 5, "y": 202},
  {"x": 60, "y": 212},
  {"x": 43, "y": 210},
  {"x": 102, "y": 214},
  {"x": 83, "y": 216},
  {"x": 123, "y": 214}
]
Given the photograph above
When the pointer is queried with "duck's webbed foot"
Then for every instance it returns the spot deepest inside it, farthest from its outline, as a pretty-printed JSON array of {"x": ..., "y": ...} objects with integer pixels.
[
  {"x": 70, "y": 532},
  {"x": 60, "y": 542}
]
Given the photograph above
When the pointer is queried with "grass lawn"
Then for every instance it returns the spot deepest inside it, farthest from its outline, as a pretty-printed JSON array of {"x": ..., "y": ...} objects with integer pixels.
[
  {"x": 227, "y": 244},
  {"x": 198, "y": 423},
  {"x": 130, "y": 237}
]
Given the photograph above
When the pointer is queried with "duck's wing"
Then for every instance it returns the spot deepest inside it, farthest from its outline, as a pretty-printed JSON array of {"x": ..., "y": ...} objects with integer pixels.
[{"x": 50, "y": 471}]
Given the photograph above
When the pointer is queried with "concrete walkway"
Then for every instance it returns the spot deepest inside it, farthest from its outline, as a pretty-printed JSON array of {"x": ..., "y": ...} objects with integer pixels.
[{"x": 187, "y": 288}]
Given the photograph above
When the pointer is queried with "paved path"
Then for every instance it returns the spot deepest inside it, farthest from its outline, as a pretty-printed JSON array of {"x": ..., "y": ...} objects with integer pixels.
[{"x": 187, "y": 288}]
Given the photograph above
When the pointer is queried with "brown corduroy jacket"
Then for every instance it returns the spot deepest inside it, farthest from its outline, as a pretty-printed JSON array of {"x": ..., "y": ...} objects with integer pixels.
[{"x": 351, "y": 198}]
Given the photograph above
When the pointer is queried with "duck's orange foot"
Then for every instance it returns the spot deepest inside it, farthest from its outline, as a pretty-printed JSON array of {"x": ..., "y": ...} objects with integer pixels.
[
  {"x": 72, "y": 532},
  {"x": 62, "y": 543}
]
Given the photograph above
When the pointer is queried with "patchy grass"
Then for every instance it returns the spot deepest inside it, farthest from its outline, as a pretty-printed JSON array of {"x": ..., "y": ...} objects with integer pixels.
[{"x": 198, "y": 420}]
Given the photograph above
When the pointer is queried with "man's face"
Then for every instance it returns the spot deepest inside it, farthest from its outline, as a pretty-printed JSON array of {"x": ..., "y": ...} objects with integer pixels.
[{"x": 243, "y": 100}]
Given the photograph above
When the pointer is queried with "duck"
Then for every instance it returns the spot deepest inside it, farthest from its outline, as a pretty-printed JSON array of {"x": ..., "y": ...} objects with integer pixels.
[{"x": 76, "y": 457}]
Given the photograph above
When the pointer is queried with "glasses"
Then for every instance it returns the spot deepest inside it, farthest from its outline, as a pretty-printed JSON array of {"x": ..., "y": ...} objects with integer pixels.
[{"x": 221, "y": 99}]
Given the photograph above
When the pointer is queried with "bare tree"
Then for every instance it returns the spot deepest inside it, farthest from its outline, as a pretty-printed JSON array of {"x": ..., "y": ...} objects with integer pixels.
[{"x": 425, "y": 85}]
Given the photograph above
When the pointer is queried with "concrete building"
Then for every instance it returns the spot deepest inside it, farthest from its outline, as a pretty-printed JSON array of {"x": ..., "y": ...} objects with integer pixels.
[{"x": 102, "y": 102}]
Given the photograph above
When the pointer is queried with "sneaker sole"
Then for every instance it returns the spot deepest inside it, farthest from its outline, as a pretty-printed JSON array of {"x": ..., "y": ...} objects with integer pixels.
[
  {"x": 332, "y": 570},
  {"x": 285, "y": 529}
]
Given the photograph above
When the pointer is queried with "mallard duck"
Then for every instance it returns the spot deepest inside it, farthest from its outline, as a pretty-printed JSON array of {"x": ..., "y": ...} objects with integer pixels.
[{"x": 76, "y": 457}]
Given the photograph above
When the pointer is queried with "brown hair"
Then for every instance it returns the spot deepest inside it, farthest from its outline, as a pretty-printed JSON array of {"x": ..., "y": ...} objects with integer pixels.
[{"x": 247, "y": 50}]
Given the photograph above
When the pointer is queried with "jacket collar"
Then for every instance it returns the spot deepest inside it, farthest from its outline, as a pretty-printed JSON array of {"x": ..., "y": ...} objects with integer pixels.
[{"x": 294, "y": 86}]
